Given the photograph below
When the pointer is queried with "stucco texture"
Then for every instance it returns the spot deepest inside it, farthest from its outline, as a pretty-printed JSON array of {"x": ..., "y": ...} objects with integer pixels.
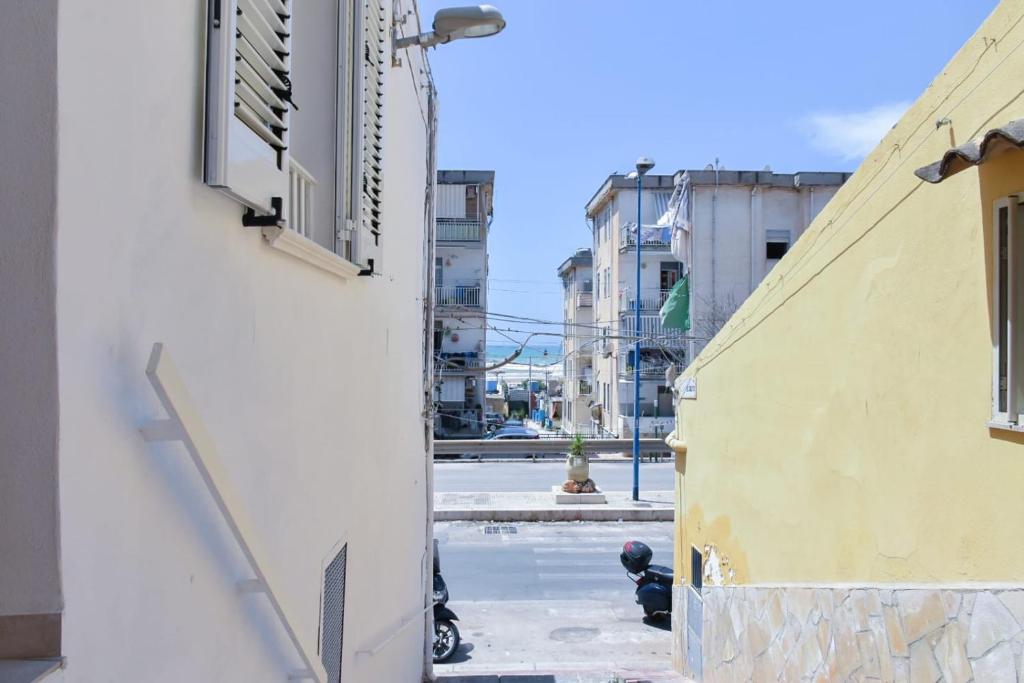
[
  {"x": 29, "y": 534},
  {"x": 310, "y": 385},
  {"x": 840, "y": 428}
]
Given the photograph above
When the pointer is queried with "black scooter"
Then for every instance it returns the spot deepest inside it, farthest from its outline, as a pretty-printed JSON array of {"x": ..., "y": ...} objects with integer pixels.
[
  {"x": 446, "y": 633},
  {"x": 653, "y": 582}
]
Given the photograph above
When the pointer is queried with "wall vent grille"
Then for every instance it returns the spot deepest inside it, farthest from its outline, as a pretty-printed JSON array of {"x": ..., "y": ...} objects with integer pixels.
[{"x": 332, "y": 631}]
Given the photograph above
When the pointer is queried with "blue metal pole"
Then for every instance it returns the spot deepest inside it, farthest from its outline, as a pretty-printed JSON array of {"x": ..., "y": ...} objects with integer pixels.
[{"x": 636, "y": 349}]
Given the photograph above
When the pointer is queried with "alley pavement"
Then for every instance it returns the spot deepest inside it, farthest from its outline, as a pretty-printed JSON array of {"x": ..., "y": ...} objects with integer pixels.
[{"x": 552, "y": 599}]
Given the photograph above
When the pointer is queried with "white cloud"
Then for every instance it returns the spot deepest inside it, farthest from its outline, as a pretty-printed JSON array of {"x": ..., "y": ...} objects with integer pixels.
[{"x": 851, "y": 135}]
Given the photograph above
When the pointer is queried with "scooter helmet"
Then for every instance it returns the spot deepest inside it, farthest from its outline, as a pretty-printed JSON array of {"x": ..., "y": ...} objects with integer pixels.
[{"x": 635, "y": 556}]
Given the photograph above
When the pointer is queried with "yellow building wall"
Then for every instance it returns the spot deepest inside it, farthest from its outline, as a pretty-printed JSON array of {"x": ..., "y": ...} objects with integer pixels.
[{"x": 840, "y": 428}]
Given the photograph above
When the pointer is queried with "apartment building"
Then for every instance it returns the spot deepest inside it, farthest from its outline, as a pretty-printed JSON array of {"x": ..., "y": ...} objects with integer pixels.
[
  {"x": 215, "y": 312},
  {"x": 464, "y": 211},
  {"x": 578, "y": 342},
  {"x": 730, "y": 229},
  {"x": 726, "y": 229}
]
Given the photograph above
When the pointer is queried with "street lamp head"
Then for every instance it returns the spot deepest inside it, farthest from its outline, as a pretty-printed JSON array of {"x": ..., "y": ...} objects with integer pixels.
[
  {"x": 468, "y": 22},
  {"x": 455, "y": 23},
  {"x": 644, "y": 164}
]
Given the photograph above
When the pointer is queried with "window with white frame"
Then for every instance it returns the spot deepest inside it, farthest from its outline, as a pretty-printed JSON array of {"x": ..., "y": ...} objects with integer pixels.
[
  {"x": 294, "y": 122},
  {"x": 1008, "y": 311}
]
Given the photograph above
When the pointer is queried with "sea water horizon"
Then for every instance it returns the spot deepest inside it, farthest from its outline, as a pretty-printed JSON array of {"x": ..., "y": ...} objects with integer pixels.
[{"x": 541, "y": 354}]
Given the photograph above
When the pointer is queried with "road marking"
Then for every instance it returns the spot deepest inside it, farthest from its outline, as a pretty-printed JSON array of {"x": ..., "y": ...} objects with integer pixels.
[
  {"x": 618, "y": 573},
  {"x": 573, "y": 551}
]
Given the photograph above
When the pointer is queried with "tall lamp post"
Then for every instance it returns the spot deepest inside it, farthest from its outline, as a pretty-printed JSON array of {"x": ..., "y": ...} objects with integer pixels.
[{"x": 643, "y": 165}]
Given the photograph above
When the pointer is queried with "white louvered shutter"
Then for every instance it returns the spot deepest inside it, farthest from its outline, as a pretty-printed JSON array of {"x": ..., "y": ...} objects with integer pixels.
[
  {"x": 369, "y": 145},
  {"x": 247, "y": 100}
]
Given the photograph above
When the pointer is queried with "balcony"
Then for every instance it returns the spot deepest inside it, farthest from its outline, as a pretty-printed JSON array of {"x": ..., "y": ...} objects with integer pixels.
[
  {"x": 458, "y": 230},
  {"x": 650, "y": 237},
  {"x": 459, "y": 362},
  {"x": 465, "y": 295},
  {"x": 650, "y": 300},
  {"x": 652, "y": 365},
  {"x": 649, "y": 426},
  {"x": 652, "y": 334}
]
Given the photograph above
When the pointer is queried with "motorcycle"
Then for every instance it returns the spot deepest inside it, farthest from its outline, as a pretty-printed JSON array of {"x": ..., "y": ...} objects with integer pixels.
[
  {"x": 446, "y": 633},
  {"x": 653, "y": 582}
]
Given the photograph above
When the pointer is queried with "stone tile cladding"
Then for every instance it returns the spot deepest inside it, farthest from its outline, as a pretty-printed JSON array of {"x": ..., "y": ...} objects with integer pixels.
[{"x": 951, "y": 635}]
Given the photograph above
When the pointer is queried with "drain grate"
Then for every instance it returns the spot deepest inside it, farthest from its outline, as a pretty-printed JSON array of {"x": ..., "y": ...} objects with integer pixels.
[{"x": 494, "y": 529}]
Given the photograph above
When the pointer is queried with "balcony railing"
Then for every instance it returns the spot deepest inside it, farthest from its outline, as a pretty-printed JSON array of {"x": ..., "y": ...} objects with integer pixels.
[
  {"x": 458, "y": 295},
  {"x": 649, "y": 426},
  {"x": 655, "y": 238},
  {"x": 458, "y": 230},
  {"x": 652, "y": 334},
  {"x": 649, "y": 368},
  {"x": 448, "y": 363},
  {"x": 300, "y": 199},
  {"x": 650, "y": 300}
]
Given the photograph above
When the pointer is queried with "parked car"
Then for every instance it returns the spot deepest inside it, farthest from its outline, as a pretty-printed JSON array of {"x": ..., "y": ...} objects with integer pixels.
[
  {"x": 493, "y": 420},
  {"x": 513, "y": 432}
]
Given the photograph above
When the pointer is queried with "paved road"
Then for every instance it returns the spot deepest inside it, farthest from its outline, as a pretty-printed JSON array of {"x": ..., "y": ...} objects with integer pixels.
[
  {"x": 551, "y": 596},
  {"x": 540, "y": 476}
]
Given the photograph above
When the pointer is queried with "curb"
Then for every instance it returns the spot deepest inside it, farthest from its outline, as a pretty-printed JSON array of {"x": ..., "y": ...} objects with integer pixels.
[
  {"x": 569, "y": 514},
  {"x": 554, "y": 676}
]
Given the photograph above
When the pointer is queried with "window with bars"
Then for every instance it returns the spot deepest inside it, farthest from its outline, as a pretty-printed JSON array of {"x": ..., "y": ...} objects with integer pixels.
[
  {"x": 332, "y": 619},
  {"x": 256, "y": 136}
]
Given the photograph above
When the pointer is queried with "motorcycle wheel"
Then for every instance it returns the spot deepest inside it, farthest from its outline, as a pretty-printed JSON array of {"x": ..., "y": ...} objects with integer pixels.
[
  {"x": 446, "y": 640},
  {"x": 653, "y": 613}
]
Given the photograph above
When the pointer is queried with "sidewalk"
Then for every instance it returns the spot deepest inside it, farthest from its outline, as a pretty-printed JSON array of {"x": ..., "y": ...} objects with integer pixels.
[
  {"x": 654, "y": 506},
  {"x": 556, "y": 641},
  {"x": 602, "y": 676}
]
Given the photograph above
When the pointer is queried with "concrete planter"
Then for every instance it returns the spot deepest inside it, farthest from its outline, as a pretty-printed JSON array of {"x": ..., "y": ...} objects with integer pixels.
[{"x": 577, "y": 468}]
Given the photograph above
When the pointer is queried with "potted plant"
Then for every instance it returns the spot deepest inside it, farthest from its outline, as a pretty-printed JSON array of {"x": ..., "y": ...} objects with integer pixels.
[{"x": 577, "y": 466}]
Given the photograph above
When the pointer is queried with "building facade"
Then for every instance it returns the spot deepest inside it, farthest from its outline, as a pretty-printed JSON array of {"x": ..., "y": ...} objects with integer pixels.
[
  {"x": 730, "y": 229},
  {"x": 464, "y": 211},
  {"x": 848, "y": 507},
  {"x": 215, "y": 316},
  {"x": 578, "y": 342},
  {"x": 725, "y": 229},
  {"x": 612, "y": 212}
]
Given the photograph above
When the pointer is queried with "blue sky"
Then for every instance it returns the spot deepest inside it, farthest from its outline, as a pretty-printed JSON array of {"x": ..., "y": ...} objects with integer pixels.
[{"x": 573, "y": 90}]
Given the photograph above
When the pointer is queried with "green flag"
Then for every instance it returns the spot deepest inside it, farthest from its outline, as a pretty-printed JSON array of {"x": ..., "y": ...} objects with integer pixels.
[{"x": 675, "y": 312}]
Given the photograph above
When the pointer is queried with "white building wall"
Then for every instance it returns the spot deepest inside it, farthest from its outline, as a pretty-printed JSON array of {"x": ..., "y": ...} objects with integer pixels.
[
  {"x": 30, "y": 582},
  {"x": 309, "y": 384},
  {"x": 728, "y": 262},
  {"x": 578, "y": 347}
]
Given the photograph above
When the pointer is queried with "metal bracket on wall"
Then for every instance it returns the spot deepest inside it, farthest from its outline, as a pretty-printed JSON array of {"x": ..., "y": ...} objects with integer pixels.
[
  {"x": 251, "y": 219},
  {"x": 183, "y": 423}
]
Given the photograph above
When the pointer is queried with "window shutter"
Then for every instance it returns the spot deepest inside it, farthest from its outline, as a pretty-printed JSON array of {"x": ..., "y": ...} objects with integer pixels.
[
  {"x": 247, "y": 100},
  {"x": 369, "y": 189}
]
